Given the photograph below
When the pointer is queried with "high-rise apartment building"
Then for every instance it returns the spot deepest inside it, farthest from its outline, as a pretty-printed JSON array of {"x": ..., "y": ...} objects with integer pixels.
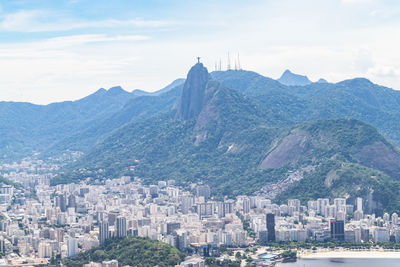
[{"x": 271, "y": 227}]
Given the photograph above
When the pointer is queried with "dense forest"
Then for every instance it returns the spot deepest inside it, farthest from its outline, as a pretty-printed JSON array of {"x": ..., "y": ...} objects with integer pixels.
[{"x": 132, "y": 251}]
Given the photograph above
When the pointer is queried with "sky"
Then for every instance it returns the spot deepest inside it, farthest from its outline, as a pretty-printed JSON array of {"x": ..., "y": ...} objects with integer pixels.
[{"x": 55, "y": 50}]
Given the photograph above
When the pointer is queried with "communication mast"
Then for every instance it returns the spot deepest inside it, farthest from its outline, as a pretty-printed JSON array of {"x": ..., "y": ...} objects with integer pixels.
[{"x": 229, "y": 63}]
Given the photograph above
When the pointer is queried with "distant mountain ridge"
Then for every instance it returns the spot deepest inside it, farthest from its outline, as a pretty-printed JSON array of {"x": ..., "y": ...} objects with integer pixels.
[
  {"x": 356, "y": 98},
  {"x": 26, "y": 127},
  {"x": 289, "y": 78},
  {"x": 238, "y": 145},
  {"x": 135, "y": 110}
]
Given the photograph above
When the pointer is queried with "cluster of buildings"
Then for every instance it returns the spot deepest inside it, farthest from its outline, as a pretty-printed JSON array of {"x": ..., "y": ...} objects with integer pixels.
[
  {"x": 319, "y": 221},
  {"x": 61, "y": 221}
]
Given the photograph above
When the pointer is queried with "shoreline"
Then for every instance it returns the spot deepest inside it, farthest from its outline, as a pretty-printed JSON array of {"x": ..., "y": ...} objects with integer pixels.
[{"x": 352, "y": 255}]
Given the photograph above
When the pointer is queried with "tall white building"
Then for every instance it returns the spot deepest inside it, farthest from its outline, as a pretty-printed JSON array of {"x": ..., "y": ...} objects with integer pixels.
[
  {"x": 246, "y": 205},
  {"x": 340, "y": 204},
  {"x": 72, "y": 247},
  {"x": 293, "y": 206},
  {"x": 381, "y": 235},
  {"x": 359, "y": 204},
  {"x": 44, "y": 250},
  {"x": 6, "y": 193},
  {"x": 321, "y": 204},
  {"x": 358, "y": 215},
  {"x": 386, "y": 217},
  {"x": 121, "y": 226},
  {"x": 397, "y": 235},
  {"x": 395, "y": 219},
  {"x": 103, "y": 232}
]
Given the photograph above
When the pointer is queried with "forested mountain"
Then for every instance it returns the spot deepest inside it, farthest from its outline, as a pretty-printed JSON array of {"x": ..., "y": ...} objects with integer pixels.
[
  {"x": 222, "y": 133},
  {"x": 356, "y": 98},
  {"x": 337, "y": 158},
  {"x": 134, "y": 110},
  {"x": 25, "y": 127},
  {"x": 242, "y": 144},
  {"x": 238, "y": 131}
]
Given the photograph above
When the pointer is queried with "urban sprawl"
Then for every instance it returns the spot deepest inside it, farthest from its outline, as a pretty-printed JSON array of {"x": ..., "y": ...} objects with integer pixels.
[{"x": 40, "y": 222}]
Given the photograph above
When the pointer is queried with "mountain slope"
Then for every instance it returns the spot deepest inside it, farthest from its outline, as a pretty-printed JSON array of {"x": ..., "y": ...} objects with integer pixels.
[
  {"x": 76, "y": 125},
  {"x": 222, "y": 138},
  {"x": 248, "y": 82},
  {"x": 347, "y": 139},
  {"x": 357, "y": 98},
  {"x": 136, "y": 109},
  {"x": 343, "y": 158},
  {"x": 175, "y": 83},
  {"x": 335, "y": 178},
  {"x": 27, "y": 127},
  {"x": 224, "y": 141}
]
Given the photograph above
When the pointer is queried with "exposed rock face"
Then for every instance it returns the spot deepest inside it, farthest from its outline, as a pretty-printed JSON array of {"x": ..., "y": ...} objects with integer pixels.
[
  {"x": 290, "y": 150},
  {"x": 346, "y": 138},
  {"x": 193, "y": 93},
  {"x": 382, "y": 157}
]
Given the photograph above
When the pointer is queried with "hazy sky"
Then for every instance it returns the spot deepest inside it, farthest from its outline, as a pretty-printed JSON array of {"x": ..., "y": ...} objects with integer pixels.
[{"x": 64, "y": 50}]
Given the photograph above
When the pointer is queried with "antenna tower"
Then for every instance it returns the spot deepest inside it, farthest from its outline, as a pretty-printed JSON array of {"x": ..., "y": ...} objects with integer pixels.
[{"x": 229, "y": 62}]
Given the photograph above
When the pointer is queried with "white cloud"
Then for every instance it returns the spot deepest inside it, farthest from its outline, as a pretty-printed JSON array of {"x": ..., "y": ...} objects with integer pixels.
[
  {"x": 357, "y": 1},
  {"x": 20, "y": 21},
  {"x": 316, "y": 38},
  {"x": 384, "y": 71},
  {"x": 50, "y": 21},
  {"x": 58, "y": 42},
  {"x": 69, "y": 67},
  {"x": 363, "y": 60}
]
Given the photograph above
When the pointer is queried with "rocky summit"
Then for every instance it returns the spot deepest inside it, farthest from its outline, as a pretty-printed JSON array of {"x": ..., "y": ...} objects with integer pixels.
[
  {"x": 193, "y": 94},
  {"x": 290, "y": 78}
]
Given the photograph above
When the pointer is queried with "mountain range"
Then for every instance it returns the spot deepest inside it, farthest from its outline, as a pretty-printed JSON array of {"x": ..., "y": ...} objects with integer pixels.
[
  {"x": 238, "y": 131},
  {"x": 26, "y": 128}
]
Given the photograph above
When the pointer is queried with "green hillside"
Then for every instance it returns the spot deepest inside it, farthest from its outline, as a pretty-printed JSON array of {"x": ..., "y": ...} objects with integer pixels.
[
  {"x": 224, "y": 142},
  {"x": 132, "y": 251},
  {"x": 356, "y": 98},
  {"x": 136, "y": 109},
  {"x": 335, "y": 178},
  {"x": 346, "y": 139},
  {"x": 26, "y": 127},
  {"x": 231, "y": 142},
  {"x": 75, "y": 125}
]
